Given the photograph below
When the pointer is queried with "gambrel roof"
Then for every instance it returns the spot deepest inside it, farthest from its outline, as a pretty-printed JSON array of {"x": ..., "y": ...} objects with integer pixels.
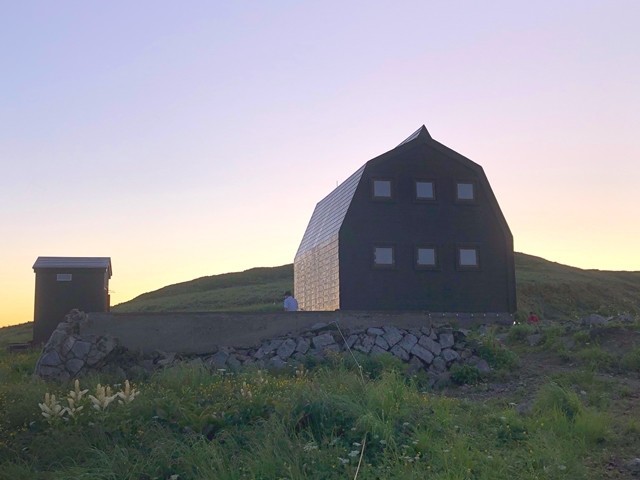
[{"x": 329, "y": 214}]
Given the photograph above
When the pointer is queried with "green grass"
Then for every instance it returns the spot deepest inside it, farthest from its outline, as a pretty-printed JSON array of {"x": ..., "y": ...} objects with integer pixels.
[
  {"x": 553, "y": 290},
  {"x": 190, "y": 423},
  {"x": 22, "y": 333},
  {"x": 558, "y": 291},
  {"x": 254, "y": 290}
]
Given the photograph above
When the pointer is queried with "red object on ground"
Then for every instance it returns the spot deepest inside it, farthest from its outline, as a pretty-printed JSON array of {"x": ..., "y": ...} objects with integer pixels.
[{"x": 533, "y": 318}]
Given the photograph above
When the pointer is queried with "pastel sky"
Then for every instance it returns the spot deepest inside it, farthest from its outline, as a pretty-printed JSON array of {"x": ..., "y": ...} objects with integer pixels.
[{"x": 185, "y": 139}]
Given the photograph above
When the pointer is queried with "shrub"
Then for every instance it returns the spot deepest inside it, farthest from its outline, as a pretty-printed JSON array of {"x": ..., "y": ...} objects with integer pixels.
[
  {"x": 465, "y": 374},
  {"x": 582, "y": 337},
  {"x": 554, "y": 397},
  {"x": 519, "y": 333},
  {"x": 497, "y": 355},
  {"x": 596, "y": 358},
  {"x": 631, "y": 360}
]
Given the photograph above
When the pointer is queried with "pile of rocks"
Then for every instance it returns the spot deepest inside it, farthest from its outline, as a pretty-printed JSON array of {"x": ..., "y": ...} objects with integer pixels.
[
  {"x": 68, "y": 354},
  {"x": 595, "y": 320},
  {"x": 431, "y": 348}
]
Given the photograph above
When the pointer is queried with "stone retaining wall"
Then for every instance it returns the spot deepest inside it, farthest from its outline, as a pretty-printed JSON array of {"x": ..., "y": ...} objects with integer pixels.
[
  {"x": 432, "y": 348},
  {"x": 198, "y": 333}
]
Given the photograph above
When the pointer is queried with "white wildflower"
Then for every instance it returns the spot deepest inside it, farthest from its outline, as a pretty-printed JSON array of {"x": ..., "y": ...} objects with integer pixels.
[
  {"x": 343, "y": 461},
  {"x": 103, "y": 397},
  {"x": 245, "y": 391},
  {"x": 128, "y": 394},
  {"x": 51, "y": 408},
  {"x": 73, "y": 409},
  {"x": 354, "y": 453},
  {"x": 76, "y": 394},
  {"x": 310, "y": 446}
]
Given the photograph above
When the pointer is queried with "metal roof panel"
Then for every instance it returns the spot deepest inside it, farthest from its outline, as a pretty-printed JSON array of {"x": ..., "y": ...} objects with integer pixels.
[
  {"x": 73, "y": 262},
  {"x": 329, "y": 213}
]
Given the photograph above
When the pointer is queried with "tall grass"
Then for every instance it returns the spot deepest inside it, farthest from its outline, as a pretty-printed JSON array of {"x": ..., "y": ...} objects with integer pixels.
[
  {"x": 329, "y": 421},
  {"x": 193, "y": 424}
]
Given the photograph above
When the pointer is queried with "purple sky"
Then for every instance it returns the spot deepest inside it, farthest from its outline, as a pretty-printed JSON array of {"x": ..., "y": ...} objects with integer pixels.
[{"x": 185, "y": 139}]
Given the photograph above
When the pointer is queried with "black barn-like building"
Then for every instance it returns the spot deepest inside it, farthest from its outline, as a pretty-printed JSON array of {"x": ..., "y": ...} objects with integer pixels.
[
  {"x": 417, "y": 228},
  {"x": 65, "y": 283}
]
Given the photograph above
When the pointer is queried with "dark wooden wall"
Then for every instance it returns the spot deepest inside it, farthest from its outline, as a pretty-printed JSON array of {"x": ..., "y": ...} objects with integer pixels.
[
  {"x": 405, "y": 224},
  {"x": 87, "y": 291}
]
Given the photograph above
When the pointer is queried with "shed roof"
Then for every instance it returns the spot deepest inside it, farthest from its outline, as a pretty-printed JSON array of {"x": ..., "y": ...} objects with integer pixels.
[{"x": 74, "y": 262}]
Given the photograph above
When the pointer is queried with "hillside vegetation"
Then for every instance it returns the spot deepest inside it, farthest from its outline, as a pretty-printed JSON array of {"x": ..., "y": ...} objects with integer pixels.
[
  {"x": 254, "y": 290},
  {"x": 560, "y": 402},
  {"x": 555, "y": 291}
]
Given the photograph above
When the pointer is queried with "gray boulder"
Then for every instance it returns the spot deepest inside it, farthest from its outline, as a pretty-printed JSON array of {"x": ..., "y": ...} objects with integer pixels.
[
  {"x": 286, "y": 349},
  {"x": 376, "y": 350},
  {"x": 277, "y": 363},
  {"x": 422, "y": 353},
  {"x": 375, "y": 331},
  {"x": 439, "y": 365},
  {"x": 446, "y": 340},
  {"x": 218, "y": 360},
  {"x": 392, "y": 335},
  {"x": 80, "y": 349},
  {"x": 382, "y": 343},
  {"x": 321, "y": 342},
  {"x": 400, "y": 352},
  {"x": 366, "y": 344},
  {"x": 408, "y": 341},
  {"x": 73, "y": 366},
  {"x": 351, "y": 340},
  {"x": 302, "y": 346},
  {"x": 432, "y": 346},
  {"x": 593, "y": 320},
  {"x": 633, "y": 466},
  {"x": 233, "y": 362},
  {"x": 449, "y": 355}
]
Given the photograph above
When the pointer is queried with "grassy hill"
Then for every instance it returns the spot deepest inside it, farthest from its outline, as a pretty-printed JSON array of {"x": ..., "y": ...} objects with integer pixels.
[
  {"x": 556, "y": 291},
  {"x": 255, "y": 290}
]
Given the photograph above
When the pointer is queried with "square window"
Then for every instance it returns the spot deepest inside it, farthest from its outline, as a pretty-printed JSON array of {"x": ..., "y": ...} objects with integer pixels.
[
  {"x": 465, "y": 191},
  {"x": 425, "y": 190},
  {"x": 382, "y": 189},
  {"x": 468, "y": 257},
  {"x": 383, "y": 256},
  {"x": 426, "y": 257}
]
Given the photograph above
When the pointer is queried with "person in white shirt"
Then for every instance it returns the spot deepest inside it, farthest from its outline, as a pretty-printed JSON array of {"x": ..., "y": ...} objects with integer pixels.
[{"x": 290, "y": 303}]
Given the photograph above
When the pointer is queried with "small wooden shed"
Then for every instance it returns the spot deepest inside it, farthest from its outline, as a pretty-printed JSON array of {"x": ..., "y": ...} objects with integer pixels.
[{"x": 65, "y": 283}]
